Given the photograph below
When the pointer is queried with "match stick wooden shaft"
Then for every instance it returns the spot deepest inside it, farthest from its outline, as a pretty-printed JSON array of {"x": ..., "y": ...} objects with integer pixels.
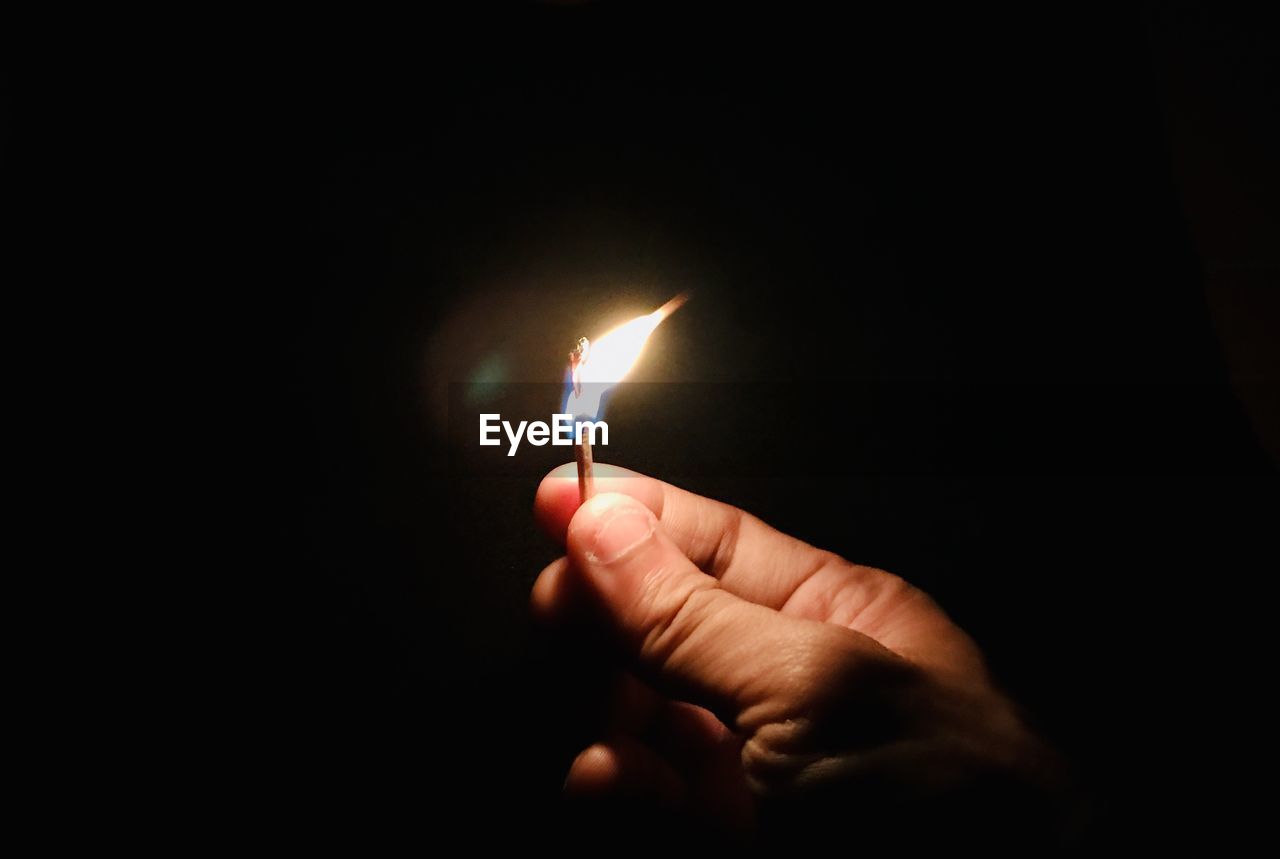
[{"x": 586, "y": 480}]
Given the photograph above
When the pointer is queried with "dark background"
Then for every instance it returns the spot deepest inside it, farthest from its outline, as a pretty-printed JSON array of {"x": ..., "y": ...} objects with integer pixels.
[{"x": 1019, "y": 267}]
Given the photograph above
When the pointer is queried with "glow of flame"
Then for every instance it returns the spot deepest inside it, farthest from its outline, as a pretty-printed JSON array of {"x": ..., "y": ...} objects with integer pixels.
[{"x": 610, "y": 358}]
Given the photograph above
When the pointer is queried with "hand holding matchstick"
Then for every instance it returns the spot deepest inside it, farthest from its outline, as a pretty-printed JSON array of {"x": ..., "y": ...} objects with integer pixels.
[{"x": 802, "y": 687}]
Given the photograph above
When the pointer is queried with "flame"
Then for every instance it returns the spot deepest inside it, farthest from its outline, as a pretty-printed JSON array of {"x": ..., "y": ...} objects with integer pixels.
[{"x": 609, "y": 359}]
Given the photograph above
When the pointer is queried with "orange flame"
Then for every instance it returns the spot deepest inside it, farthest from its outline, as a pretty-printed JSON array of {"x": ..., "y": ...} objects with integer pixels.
[{"x": 608, "y": 360}]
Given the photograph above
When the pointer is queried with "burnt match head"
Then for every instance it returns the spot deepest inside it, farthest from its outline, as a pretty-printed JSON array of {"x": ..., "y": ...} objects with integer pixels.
[{"x": 579, "y": 352}]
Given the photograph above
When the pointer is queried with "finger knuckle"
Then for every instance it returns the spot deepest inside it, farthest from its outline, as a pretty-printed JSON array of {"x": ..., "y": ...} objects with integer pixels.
[
  {"x": 774, "y": 754},
  {"x": 677, "y": 607}
]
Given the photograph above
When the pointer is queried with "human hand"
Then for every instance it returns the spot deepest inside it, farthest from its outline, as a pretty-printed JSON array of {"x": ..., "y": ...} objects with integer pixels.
[{"x": 776, "y": 686}]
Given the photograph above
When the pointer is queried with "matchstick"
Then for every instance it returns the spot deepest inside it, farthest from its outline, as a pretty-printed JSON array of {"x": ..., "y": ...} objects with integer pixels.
[
  {"x": 582, "y": 447},
  {"x": 586, "y": 480}
]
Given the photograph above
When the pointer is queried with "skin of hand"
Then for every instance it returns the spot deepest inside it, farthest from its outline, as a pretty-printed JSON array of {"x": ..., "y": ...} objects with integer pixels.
[{"x": 770, "y": 685}]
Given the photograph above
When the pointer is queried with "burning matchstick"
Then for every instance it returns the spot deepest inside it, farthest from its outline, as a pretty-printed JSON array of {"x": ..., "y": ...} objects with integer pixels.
[
  {"x": 582, "y": 444},
  {"x": 586, "y": 480},
  {"x": 600, "y": 365}
]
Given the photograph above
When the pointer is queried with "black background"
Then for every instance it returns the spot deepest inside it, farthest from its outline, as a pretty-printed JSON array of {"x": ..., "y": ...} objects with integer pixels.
[{"x": 958, "y": 236}]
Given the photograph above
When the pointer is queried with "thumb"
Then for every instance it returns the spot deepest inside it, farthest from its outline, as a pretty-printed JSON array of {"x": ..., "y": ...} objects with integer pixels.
[{"x": 692, "y": 639}]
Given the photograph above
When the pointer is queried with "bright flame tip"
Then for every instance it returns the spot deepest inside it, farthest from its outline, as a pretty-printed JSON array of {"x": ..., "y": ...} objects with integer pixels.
[{"x": 671, "y": 306}]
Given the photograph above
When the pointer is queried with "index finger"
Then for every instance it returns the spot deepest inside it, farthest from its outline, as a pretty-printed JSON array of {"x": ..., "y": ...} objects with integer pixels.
[{"x": 751, "y": 559}]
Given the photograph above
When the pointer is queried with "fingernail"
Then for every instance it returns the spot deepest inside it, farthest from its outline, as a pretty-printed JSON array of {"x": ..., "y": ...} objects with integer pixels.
[{"x": 623, "y": 529}]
